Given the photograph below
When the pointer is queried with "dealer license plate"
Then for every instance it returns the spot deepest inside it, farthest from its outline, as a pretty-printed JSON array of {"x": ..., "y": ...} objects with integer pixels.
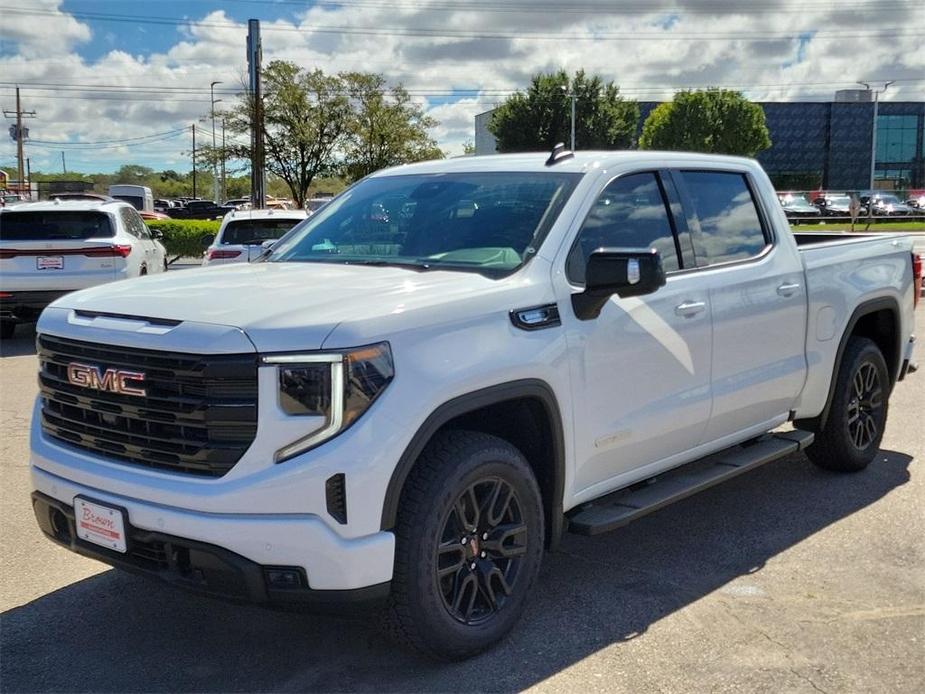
[
  {"x": 100, "y": 524},
  {"x": 49, "y": 262}
]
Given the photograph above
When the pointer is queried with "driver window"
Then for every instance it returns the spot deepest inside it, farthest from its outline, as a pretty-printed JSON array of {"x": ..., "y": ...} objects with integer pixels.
[{"x": 629, "y": 213}]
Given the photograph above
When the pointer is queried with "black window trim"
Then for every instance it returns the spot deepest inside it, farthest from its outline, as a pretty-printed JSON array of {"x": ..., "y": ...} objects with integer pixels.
[
  {"x": 657, "y": 173},
  {"x": 767, "y": 229}
]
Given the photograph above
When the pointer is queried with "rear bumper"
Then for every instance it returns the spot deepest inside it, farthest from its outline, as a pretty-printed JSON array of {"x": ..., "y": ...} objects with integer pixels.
[
  {"x": 25, "y": 307},
  {"x": 200, "y": 567}
]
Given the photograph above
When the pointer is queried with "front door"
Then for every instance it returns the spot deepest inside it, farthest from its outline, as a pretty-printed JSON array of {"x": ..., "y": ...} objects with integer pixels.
[{"x": 640, "y": 370}]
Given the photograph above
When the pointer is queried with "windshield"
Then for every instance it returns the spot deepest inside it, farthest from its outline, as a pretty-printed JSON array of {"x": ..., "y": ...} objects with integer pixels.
[
  {"x": 256, "y": 231},
  {"x": 52, "y": 226},
  {"x": 489, "y": 222},
  {"x": 137, "y": 202},
  {"x": 887, "y": 200},
  {"x": 837, "y": 200}
]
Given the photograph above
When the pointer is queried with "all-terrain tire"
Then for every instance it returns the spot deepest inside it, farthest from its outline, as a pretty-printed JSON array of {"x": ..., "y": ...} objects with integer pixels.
[
  {"x": 851, "y": 437},
  {"x": 435, "y": 509}
]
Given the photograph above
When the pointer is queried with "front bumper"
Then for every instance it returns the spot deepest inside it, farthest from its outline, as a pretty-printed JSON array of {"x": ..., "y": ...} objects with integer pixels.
[
  {"x": 25, "y": 307},
  {"x": 199, "y": 567},
  {"x": 238, "y": 547}
]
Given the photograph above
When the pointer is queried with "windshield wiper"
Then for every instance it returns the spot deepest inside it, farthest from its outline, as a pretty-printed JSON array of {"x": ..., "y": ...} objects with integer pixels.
[{"x": 377, "y": 262}]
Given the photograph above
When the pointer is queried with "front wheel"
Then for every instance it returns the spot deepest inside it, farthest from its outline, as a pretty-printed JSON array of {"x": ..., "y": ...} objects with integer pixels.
[
  {"x": 469, "y": 541},
  {"x": 852, "y": 433}
]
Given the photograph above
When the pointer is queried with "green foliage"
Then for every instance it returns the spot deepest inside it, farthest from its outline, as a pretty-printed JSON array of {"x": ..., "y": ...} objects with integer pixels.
[
  {"x": 183, "y": 237},
  {"x": 540, "y": 118},
  {"x": 386, "y": 127},
  {"x": 719, "y": 121}
]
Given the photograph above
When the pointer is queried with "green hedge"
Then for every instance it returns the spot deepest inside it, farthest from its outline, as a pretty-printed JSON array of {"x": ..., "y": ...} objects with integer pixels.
[{"x": 183, "y": 237}]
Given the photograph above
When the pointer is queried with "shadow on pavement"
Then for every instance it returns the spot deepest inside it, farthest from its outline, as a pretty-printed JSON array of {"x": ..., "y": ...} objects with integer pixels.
[
  {"x": 116, "y": 632},
  {"x": 21, "y": 344}
]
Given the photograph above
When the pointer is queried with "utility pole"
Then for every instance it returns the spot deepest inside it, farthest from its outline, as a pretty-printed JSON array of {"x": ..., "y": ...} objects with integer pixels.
[
  {"x": 215, "y": 193},
  {"x": 194, "y": 160},
  {"x": 224, "y": 189},
  {"x": 63, "y": 162},
  {"x": 29, "y": 175},
  {"x": 873, "y": 130},
  {"x": 254, "y": 66},
  {"x": 571, "y": 95},
  {"x": 20, "y": 136}
]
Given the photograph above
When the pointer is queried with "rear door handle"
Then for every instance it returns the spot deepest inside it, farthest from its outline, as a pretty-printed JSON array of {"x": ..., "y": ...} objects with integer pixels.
[
  {"x": 788, "y": 289},
  {"x": 690, "y": 308}
]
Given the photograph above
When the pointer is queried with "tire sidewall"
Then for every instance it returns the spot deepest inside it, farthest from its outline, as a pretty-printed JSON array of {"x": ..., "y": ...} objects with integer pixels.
[
  {"x": 486, "y": 462},
  {"x": 865, "y": 352}
]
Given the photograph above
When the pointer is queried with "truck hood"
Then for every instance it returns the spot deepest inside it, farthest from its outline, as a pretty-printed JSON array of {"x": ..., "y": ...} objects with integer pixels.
[{"x": 291, "y": 306}]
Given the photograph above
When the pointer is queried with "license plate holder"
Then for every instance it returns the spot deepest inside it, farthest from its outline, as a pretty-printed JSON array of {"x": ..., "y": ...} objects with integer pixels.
[
  {"x": 49, "y": 262},
  {"x": 101, "y": 524}
]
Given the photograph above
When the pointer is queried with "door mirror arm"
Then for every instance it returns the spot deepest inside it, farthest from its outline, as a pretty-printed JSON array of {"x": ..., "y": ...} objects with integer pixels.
[{"x": 624, "y": 272}]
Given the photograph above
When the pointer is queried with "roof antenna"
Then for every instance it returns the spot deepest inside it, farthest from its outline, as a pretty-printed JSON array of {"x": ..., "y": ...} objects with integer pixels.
[{"x": 559, "y": 153}]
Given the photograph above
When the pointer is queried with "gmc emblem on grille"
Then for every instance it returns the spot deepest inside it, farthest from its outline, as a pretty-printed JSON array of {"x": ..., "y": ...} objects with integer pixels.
[{"x": 112, "y": 380}]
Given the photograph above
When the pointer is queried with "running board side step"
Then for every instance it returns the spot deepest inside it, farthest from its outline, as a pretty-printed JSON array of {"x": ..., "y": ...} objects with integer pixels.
[{"x": 626, "y": 505}]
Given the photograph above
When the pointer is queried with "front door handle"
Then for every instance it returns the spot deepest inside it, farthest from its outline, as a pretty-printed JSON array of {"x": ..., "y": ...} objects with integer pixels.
[
  {"x": 690, "y": 308},
  {"x": 788, "y": 289}
]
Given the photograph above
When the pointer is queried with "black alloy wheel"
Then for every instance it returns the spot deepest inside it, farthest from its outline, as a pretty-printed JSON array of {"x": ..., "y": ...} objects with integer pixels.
[{"x": 483, "y": 542}]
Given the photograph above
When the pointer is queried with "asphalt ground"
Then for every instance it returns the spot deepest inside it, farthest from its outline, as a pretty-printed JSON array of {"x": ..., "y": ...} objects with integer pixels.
[{"x": 786, "y": 579}]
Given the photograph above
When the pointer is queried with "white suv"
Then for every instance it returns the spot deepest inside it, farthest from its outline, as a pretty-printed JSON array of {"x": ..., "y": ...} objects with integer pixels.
[
  {"x": 48, "y": 249},
  {"x": 243, "y": 233}
]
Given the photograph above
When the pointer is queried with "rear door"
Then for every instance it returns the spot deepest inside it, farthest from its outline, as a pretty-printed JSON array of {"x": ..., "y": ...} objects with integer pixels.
[
  {"x": 56, "y": 249},
  {"x": 757, "y": 297}
]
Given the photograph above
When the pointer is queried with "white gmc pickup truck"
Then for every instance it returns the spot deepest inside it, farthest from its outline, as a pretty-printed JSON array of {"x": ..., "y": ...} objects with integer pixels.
[{"x": 421, "y": 387}]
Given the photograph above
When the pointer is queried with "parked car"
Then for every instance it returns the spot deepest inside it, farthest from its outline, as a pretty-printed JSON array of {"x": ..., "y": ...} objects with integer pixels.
[
  {"x": 163, "y": 205},
  {"x": 885, "y": 205},
  {"x": 917, "y": 203},
  {"x": 139, "y": 197},
  {"x": 315, "y": 204},
  {"x": 244, "y": 234},
  {"x": 798, "y": 208},
  {"x": 239, "y": 203},
  {"x": 834, "y": 205},
  {"x": 410, "y": 411},
  {"x": 153, "y": 216},
  {"x": 48, "y": 249},
  {"x": 200, "y": 209}
]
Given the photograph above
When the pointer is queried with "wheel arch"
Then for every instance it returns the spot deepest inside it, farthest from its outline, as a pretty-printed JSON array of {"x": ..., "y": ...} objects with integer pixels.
[
  {"x": 499, "y": 410},
  {"x": 879, "y": 320}
]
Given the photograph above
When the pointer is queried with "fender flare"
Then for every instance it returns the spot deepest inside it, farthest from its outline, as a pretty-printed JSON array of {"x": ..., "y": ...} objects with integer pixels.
[
  {"x": 864, "y": 309},
  {"x": 463, "y": 404}
]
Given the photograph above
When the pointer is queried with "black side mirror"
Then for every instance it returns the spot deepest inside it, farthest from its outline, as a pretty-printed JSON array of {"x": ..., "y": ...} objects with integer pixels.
[
  {"x": 624, "y": 272},
  {"x": 206, "y": 240},
  {"x": 156, "y": 234}
]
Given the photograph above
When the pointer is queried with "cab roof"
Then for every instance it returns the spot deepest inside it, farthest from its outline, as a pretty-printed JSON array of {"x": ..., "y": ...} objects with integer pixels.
[
  {"x": 68, "y": 206},
  {"x": 580, "y": 162}
]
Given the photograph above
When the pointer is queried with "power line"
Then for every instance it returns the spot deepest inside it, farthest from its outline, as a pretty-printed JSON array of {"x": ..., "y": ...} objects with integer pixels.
[
  {"x": 175, "y": 131},
  {"x": 433, "y": 32},
  {"x": 72, "y": 148}
]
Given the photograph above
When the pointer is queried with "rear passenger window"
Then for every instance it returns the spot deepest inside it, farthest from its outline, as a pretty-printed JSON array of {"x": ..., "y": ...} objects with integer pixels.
[
  {"x": 730, "y": 227},
  {"x": 629, "y": 213}
]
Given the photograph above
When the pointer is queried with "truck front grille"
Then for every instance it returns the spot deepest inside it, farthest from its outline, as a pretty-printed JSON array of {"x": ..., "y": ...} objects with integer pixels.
[{"x": 198, "y": 415}]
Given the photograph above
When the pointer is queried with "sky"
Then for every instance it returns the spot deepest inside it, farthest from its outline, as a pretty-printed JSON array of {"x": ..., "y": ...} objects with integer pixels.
[{"x": 121, "y": 81}]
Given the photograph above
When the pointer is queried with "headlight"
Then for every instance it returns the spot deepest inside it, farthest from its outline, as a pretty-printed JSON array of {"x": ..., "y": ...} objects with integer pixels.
[{"x": 339, "y": 386}]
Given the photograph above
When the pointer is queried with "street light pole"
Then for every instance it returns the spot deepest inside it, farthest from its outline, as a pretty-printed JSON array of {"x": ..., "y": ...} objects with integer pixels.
[
  {"x": 215, "y": 194},
  {"x": 571, "y": 95},
  {"x": 873, "y": 128}
]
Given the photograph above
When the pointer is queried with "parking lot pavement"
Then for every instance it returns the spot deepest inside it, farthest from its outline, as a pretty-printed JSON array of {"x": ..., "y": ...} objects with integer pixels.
[{"x": 786, "y": 579}]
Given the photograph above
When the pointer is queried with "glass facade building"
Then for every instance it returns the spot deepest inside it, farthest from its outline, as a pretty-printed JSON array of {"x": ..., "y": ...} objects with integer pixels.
[{"x": 825, "y": 144}]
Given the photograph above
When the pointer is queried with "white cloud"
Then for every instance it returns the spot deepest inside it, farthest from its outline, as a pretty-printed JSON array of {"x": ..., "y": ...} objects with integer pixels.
[{"x": 45, "y": 49}]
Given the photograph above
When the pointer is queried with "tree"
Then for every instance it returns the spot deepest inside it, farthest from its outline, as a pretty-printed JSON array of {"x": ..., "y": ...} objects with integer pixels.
[
  {"x": 386, "y": 127},
  {"x": 306, "y": 116},
  {"x": 541, "y": 117},
  {"x": 719, "y": 121}
]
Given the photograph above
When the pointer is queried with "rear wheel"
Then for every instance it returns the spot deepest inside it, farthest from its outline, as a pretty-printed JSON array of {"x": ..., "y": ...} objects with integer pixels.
[
  {"x": 852, "y": 433},
  {"x": 469, "y": 541},
  {"x": 7, "y": 328}
]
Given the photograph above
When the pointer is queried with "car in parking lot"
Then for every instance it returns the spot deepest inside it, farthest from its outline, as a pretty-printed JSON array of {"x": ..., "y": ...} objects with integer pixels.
[
  {"x": 48, "y": 249},
  {"x": 798, "y": 208},
  {"x": 427, "y": 383},
  {"x": 885, "y": 205},
  {"x": 834, "y": 204},
  {"x": 243, "y": 234},
  {"x": 200, "y": 209}
]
